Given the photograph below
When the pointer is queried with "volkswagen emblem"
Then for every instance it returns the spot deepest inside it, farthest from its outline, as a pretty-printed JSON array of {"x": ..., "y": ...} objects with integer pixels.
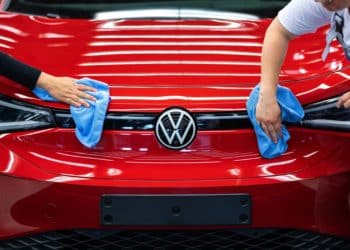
[{"x": 175, "y": 128}]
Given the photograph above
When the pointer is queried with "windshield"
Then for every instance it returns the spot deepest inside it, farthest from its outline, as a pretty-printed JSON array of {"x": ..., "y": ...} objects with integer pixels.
[{"x": 93, "y": 9}]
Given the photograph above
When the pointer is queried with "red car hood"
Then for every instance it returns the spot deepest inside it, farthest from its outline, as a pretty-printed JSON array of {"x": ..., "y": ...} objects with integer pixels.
[
  {"x": 154, "y": 64},
  {"x": 150, "y": 65}
]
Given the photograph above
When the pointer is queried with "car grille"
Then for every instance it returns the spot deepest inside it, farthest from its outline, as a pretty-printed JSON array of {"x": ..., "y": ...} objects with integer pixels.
[
  {"x": 190, "y": 240},
  {"x": 144, "y": 121}
]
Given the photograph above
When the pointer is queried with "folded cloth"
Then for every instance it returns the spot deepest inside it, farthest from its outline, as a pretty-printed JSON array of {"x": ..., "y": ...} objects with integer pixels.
[
  {"x": 291, "y": 111},
  {"x": 88, "y": 121}
]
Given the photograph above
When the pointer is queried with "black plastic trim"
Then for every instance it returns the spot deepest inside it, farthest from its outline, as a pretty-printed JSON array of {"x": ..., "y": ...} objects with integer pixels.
[
  {"x": 199, "y": 239},
  {"x": 326, "y": 115},
  {"x": 184, "y": 210},
  {"x": 146, "y": 121}
]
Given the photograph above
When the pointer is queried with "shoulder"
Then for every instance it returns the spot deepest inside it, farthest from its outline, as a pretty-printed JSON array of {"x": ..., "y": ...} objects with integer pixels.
[{"x": 303, "y": 16}]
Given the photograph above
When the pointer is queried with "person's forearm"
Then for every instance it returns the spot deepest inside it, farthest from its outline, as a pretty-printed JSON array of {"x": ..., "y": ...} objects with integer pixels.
[
  {"x": 273, "y": 54},
  {"x": 268, "y": 112},
  {"x": 18, "y": 71}
]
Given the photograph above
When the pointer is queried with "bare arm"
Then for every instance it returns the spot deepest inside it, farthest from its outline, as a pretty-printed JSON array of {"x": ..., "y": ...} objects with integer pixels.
[{"x": 275, "y": 46}]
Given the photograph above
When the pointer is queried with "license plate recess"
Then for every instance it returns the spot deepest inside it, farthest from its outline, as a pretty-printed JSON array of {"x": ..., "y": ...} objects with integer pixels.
[{"x": 165, "y": 210}]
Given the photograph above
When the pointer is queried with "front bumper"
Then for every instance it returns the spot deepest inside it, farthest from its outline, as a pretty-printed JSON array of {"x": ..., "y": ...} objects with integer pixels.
[
  {"x": 49, "y": 183},
  {"x": 28, "y": 206}
]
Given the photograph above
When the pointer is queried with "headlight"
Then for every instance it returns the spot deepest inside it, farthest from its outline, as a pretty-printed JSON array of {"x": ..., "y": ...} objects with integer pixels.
[
  {"x": 16, "y": 115},
  {"x": 326, "y": 115}
]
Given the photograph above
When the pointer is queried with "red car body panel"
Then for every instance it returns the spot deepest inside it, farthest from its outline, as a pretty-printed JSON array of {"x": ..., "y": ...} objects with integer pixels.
[
  {"x": 53, "y": 182},
  {"x": 176, "y": 57}
]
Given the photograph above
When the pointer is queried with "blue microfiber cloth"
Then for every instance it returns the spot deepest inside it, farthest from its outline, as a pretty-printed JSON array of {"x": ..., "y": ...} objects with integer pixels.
[
  {"x": 291, "y": 111},
  {"x": 88, "y": 121}
]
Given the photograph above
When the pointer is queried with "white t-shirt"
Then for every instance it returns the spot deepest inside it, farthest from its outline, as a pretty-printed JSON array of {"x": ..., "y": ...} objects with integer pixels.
[{"x": 305, "y": 16}]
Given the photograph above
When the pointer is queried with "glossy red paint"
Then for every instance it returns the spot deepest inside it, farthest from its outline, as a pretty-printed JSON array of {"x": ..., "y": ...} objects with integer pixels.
[
  {"x": 137, "y": 156},
  {"x": 177, "y": 58},
  {"x": 52, "y": 182},
  {"x": 57, "y": 203}
]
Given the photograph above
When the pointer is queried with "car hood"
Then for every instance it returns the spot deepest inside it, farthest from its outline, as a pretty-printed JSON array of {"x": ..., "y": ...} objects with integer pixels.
[{"x": 199, "y": 64}]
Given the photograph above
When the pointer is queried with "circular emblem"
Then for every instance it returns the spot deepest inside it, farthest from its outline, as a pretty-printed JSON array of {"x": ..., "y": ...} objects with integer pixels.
[{"x": 175, "y": 128}]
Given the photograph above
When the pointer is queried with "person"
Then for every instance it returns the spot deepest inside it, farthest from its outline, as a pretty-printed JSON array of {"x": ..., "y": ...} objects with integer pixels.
[
  {"x": 64, "y": 89},
  {"x": 296, "y": 18}
]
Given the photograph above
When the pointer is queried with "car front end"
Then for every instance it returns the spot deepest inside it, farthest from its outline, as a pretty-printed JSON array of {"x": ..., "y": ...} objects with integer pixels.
[{"x": 177, "y": 150}]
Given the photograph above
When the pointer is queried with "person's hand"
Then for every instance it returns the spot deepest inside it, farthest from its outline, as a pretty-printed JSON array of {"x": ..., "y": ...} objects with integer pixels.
[
  {"x": 65, "y": 89},
  {"x": 268, "y": 115},
  {"x": 344, "y": 101}
]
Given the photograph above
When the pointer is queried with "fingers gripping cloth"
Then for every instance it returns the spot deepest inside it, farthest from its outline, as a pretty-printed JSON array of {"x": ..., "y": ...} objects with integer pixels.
[
  {"x": 291, "y": 111},
  {"x": 88, "y": 121}
]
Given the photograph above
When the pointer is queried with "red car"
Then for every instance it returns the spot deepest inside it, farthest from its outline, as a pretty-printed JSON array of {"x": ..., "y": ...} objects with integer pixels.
[{"x": 177, "y": 150}]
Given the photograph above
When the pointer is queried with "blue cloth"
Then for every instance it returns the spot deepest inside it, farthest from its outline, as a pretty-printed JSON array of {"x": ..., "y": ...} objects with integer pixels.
[
  {"x": 88, "y": 121},
  {"x": 291, "y": 111}
]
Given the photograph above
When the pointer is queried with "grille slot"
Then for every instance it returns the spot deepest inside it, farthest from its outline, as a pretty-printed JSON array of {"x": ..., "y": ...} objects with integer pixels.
[
  {"x": 138, "y": 121},
  {"x": 272, "y": 239}
]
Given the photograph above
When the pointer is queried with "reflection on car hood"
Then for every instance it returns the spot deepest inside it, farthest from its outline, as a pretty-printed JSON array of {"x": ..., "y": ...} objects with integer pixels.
[
  {"x": 178, "y": 57},
  {"x": 173, "y": 13}
]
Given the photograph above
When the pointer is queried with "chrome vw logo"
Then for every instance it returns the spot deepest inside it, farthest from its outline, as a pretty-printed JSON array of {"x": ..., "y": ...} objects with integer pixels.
[{"x": 175, "y": 128}]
